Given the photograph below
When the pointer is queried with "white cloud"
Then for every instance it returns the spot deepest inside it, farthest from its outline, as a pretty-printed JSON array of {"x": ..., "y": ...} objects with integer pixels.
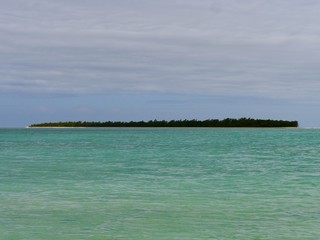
[{"x": 220, "y": 47}]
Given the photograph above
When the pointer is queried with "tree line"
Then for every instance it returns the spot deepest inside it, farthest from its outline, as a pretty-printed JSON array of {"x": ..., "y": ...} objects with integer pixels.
[{"x": 228, "y": 122}]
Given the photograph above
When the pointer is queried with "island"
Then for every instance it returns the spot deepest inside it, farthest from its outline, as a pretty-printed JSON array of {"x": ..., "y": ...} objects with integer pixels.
[{"x": 209, "y": 123}]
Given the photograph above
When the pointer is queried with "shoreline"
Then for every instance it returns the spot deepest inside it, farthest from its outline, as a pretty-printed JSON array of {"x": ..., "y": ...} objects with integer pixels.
[{"x": 162, "y": 127}]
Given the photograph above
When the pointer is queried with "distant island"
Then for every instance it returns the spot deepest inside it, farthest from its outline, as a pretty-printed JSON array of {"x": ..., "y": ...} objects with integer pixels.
[{"x": 210, "y": 123}]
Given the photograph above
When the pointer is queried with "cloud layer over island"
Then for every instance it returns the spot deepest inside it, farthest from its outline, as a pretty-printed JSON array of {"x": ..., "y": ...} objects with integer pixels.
[{"x": 252, "y": 48}]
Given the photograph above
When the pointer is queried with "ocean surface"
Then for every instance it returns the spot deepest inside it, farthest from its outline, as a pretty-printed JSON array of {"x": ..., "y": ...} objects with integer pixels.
[{"x": 157, "y": 184}]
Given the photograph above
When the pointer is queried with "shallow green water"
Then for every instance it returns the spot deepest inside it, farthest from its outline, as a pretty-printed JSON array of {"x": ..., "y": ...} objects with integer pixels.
[{"x": 159, "y": 184}]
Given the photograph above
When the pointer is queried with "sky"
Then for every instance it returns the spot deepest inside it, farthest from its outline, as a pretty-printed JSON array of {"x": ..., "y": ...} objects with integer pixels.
[{"x": 123, "y": 60}]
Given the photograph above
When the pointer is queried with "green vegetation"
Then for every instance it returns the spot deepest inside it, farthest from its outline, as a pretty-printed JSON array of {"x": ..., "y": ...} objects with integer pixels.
[{"x": 228, "y": 122}]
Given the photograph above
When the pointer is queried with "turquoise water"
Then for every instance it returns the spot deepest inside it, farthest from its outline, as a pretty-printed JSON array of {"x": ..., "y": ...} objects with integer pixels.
[{"x": 159, "y": 184}]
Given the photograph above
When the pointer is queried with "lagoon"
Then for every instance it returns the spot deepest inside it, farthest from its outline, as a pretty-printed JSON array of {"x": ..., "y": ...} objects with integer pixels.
[{"x": 159, "y": 183}]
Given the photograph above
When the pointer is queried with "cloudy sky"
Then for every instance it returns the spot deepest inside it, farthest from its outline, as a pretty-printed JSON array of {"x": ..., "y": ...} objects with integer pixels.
[{"x": 100, "y": 60}]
